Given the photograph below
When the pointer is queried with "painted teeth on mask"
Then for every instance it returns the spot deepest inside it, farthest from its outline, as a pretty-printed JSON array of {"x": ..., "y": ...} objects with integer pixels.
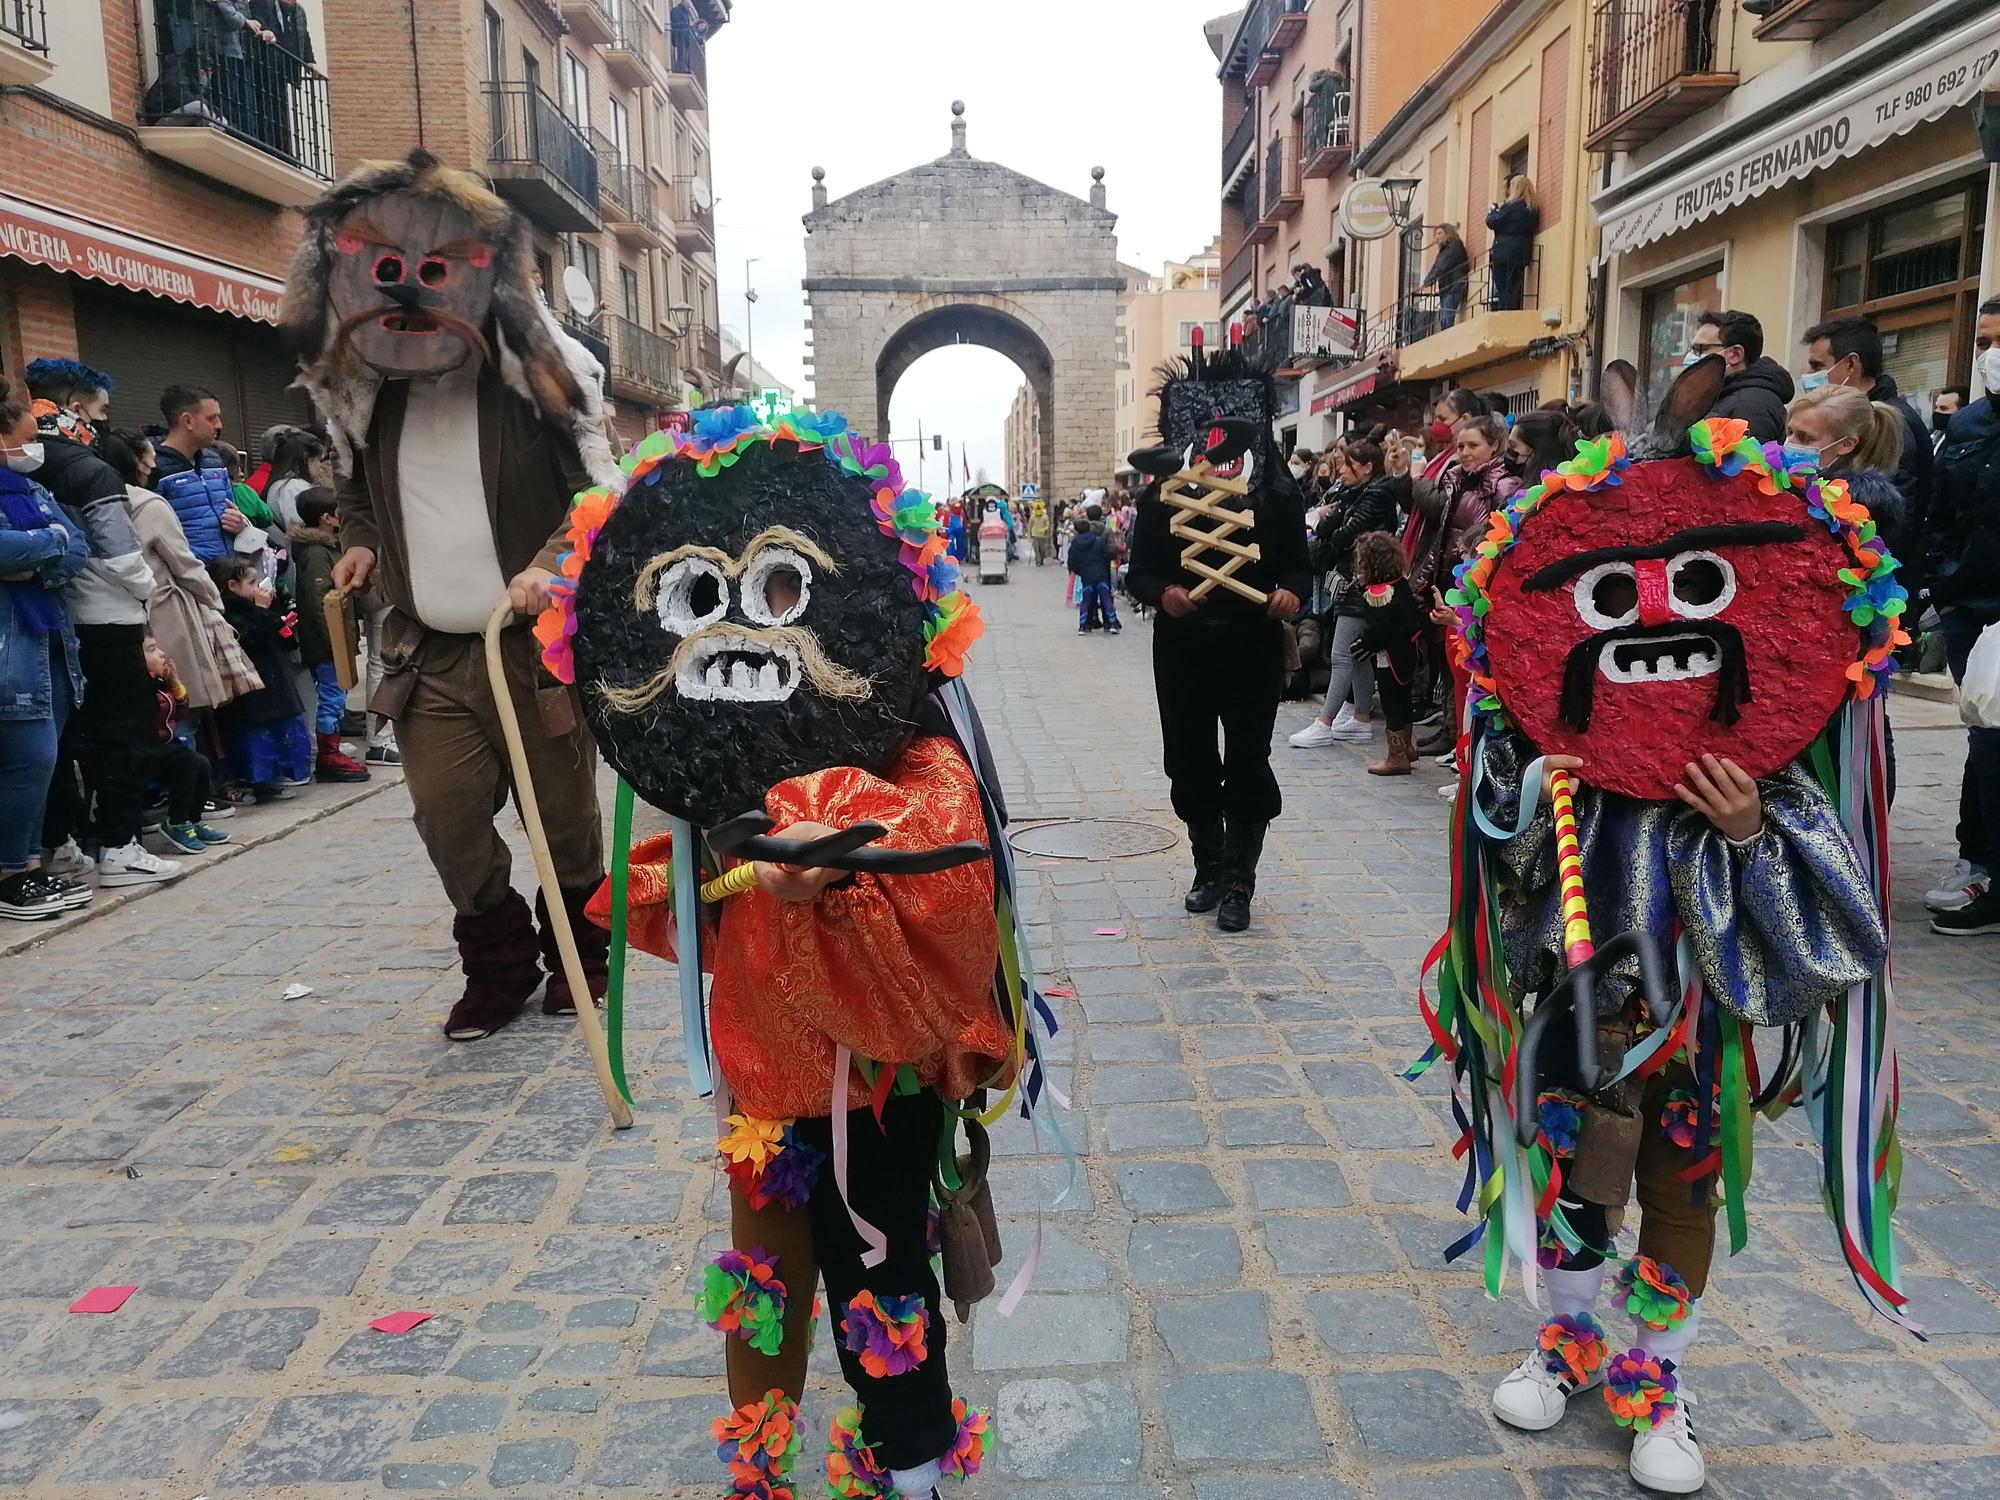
[
  {"x": 1674, "y": 659},
  {"x": 740, "y": 670}
]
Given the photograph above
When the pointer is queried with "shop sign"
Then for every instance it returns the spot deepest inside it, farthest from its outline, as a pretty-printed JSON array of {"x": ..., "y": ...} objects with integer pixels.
[
  {"x": 1939, "y": 78},
  {"x": 43, "y": 237},
  {"x": 1325, "y": 332}
]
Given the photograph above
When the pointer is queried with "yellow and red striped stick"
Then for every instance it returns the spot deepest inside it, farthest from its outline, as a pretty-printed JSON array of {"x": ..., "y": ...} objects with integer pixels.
[{"x": 1577, "y": 946}]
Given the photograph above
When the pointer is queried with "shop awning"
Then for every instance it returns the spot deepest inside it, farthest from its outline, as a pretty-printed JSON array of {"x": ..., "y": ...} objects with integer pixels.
[
  {"x": 43, "y": 237},
  {"x": 1919, "y": 85},
  {"x": 1359, "y": 381}
]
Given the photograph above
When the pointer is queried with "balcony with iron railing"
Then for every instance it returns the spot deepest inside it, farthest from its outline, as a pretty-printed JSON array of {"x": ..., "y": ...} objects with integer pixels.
[
  {"x": 1329, "y": 143},
  {"x": 1284, "y": 190},
  {"x": 631, "y": 202},
  {"x": 1240, "y": 141},
  {"x": 710, "y": 345},
  {"x": 539, "y": 161},
  {"x": 1258, "y": 228},
  {"x": 1654, "y": 63},
  {"x": 590, "y": 21},
  {"x": 642, "y": 363},
  {"x": 24, "y": 43},
  {"x": 234, "y": 108},
  {"x": 694, "y": 221},
  {"x": 1808, "y": 20},
  {"x": 627, "y": 52},
  {"x": 687, "y": 78},
  {"x": 1496, "y": 311},
  {"x": 1238, "y": 268}
]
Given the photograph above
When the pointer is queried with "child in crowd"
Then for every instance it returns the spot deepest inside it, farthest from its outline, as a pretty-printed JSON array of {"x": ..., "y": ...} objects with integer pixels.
[
  {"x": 315, "y": 548},
  {"x": 265, "y": 731},
  {"x": 1392, "y": 624},
  {"x": 1090, "y": 561},
  {"x": 172, "y": 766}
]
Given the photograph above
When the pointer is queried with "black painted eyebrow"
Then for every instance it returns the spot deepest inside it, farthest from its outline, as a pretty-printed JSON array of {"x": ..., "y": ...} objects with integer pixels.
[{"x": 1695, "y": 538}]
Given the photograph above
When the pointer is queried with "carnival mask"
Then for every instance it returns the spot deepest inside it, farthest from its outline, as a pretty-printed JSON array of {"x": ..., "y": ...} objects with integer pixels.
[
  {"x": 754, "y": 609},
  {"x": 1638, "y": 615},
  {"x": 412, "y": 284}
]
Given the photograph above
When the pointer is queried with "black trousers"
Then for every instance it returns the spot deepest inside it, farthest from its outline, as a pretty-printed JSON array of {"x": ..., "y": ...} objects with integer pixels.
[
  {"x": 1223, "y": 674},
  {"x": 113, "y": 728},
  {"x": 890, "y": 1166},
  {"x": 180, "y": 773}
]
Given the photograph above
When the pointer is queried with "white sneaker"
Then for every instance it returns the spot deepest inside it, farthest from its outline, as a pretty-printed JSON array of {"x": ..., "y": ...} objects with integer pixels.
[
  {"x": 69, "y": 860},
  {"x": 134, "y": 865},
  {"x": 1353, "y": 729},
  {"x": 1962, "y": 884},
  {"x": 1316, "y": 734},
  {"x": 1345, "y": 716},
  {"x": 1534, "y": 1398},
  {"x": 1666, "y": 1458},
  {"x": 1448, "y": 760},
  {"x": 1449, "y": 791}
]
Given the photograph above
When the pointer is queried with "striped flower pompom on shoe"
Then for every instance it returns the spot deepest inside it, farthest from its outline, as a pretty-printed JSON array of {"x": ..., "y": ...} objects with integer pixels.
[
  {"x": 1573, "y": 1344},
  {"x": 968, "y": 1448},
  {"x": 852, "y": 1470},
  {"x": 757, "y": 1444},
  {"x": 1639, "y": 1389},
  {"x": 741, "y": 1295}
]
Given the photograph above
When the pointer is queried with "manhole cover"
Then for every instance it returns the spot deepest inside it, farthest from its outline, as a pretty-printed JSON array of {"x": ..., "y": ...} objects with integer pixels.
[{"x": 1093, "y": 838}]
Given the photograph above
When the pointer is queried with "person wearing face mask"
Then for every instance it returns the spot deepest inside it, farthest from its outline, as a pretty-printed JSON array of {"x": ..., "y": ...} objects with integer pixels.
[
  {"x": 1301, "y": 465},
  {"x": 1755, "y": 387},
  {"x": 1945, "y": 405},
  {"x": 1962, "y": 547},
  {"x": 1848, "y": 352},
  {"x": 41, "y": 549}
]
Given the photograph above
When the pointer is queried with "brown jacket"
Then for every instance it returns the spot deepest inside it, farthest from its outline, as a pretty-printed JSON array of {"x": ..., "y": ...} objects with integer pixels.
[{"x": 531, "y": 471}]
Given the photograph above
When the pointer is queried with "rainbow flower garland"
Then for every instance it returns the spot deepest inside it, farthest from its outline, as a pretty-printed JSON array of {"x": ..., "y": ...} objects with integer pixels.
[
  {"x": 741, "y": 1294},
  {"x": 1573, "y": 1346},
  {"x": 757, "y": 1444},
  {"x": 768, "y": 1162},
  {"x": 1640, "y": 1390},
  {"x": 853, "y": 1472},
  {"x": 886, "y": 1334},
  {"x": 1654, "y": 1293},
  {"x": 717, "y": 440},
  {"x": 1875, "y": 603}
]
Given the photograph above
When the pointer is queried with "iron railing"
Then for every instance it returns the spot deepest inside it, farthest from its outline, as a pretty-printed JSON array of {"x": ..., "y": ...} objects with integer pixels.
[
  {"x": 640, "y": 357},
  {"x": 1512, "y": 286},
  {"x": 1329, "y": 122},
  {"x": 530, "y": 129},
  {"x": 1261, "y": 26},
  {"x": 690, "y": 214},
  {"x": 1239, "y": 267},
  {"x": 1282, "y": 186},
  {"x": 212, "y": 72},
  {"x": 629, "y": 195},
  {"x": 710, "y": 345},
  {"x": 689, "y": 53},
  {"x": 1643, "y": 50},
  {"x": 1239, "y": 142},
  {"x": 27, "y": 22}
]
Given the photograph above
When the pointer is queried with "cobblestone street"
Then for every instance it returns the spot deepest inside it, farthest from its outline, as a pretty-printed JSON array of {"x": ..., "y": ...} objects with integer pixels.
[{"x": 1241, "y": 1297}]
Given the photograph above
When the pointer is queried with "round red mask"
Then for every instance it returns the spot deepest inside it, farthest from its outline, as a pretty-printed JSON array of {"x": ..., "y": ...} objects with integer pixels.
[{"x": 1678, "y": 613}]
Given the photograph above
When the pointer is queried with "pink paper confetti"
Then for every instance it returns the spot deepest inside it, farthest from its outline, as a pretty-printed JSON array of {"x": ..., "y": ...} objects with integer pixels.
[
  {"x": 1058, "y": 992},
  {"x": 400, "y": 1322},
  {"x": 1110, "y": 932},
  {"x": 102, "y": 1299}
]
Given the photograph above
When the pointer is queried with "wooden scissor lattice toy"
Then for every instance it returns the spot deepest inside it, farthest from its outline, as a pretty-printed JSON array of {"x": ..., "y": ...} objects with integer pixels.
[{"x": 1191, "y": 509}]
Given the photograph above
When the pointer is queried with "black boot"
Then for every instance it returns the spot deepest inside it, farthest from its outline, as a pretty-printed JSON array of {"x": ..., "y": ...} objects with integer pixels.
[
  {"x": 1210, "y": 838},
  {"x": 497, "y": 951},
  {"x": 593, "y": 946},
  {"x": 1246, "y": 847}
]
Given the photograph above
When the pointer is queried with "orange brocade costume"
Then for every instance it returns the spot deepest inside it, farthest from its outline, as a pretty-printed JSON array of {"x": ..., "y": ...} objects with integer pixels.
[{"x": 897, "y": 968}]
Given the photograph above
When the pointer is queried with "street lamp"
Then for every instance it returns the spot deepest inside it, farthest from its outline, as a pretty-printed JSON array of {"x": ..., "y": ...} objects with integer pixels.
[
  {"x": 1401, "y": 193},
  {"x": 750, "y": 314}
]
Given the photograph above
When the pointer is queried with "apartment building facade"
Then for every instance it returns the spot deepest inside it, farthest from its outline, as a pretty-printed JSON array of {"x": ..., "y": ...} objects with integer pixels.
[
  {"x": 591, "y": 117},
  {"x": 1022, "y": 439},
  {"x": 1818, "y": 160},
  {"x": 1157, "y": 316},
  {"x": 148, "y": 160},
  {"x": 1305, "y": 83}
]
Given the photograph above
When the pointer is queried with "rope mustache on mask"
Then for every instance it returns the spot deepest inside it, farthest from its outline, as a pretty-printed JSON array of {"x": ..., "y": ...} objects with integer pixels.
[{"x": 822, "y": 673}]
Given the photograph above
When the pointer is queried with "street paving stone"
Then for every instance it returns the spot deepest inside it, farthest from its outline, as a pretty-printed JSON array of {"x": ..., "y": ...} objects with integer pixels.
[{"x": 1241, "y": 1293}]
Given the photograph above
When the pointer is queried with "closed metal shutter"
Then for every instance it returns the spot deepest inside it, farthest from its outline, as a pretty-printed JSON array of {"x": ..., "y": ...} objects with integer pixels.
[{"x": 146, "y": 345}]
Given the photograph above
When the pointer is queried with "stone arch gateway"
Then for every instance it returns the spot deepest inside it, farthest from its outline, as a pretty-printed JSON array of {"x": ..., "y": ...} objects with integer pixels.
[{"x": 967, "y": 251}]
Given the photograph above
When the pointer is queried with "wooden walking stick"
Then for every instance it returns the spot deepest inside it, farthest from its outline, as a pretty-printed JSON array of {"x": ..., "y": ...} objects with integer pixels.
[{"x": 545, "y": 872}]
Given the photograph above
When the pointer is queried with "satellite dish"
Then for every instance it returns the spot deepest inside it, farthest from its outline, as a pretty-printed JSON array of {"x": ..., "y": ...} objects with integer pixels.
[
  {"x": 581, "y": 294},
  {"x": 704, "y": 195}
]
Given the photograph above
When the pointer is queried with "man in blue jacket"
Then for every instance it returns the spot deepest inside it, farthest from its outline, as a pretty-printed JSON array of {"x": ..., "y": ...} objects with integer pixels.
[
  {"x": 192, "y": 475},
  {"x": 1848, "y": 351},
  {"x": 1963, "y": 554}
]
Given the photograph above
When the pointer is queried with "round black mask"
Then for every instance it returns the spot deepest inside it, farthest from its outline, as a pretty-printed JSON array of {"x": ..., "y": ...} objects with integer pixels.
[{"x": 739, "y": 628}]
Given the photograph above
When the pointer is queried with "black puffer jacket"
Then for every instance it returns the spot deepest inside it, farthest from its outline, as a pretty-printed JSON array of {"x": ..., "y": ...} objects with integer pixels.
[
  {"x": 1963, "y": 526},
  {"x": 1758, "y": 394},
  {"x": 1370, "y": 508}
]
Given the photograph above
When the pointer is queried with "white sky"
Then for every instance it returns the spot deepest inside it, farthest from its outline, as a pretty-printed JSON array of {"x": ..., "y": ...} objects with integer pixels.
[{"x": 1052, "y": 88}]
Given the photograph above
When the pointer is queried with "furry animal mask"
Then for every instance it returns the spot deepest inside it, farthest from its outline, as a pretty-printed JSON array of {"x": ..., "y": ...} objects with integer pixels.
[{"x": 411, "y": 269}]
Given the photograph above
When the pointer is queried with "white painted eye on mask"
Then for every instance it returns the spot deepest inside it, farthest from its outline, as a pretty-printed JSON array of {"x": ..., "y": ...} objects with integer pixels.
[
  {"x": 1607, "y": 596},
  {"x": 694, "y": 592},
  {"x": 1701, "y": 584},
  {"x": 784, "y": 570}
]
